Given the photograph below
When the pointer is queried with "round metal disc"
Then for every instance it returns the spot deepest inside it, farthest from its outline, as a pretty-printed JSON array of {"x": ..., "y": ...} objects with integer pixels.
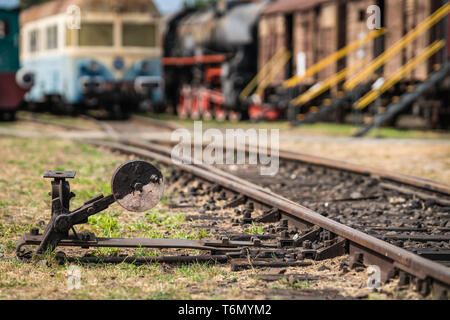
[{"x": 137, "y": 185}]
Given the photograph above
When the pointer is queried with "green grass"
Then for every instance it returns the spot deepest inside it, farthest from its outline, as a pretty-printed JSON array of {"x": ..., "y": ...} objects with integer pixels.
[
  {"x": 106, "y": 223},
  {"x": 255, "y": 229},
  {"x": 299, "y": 284}
]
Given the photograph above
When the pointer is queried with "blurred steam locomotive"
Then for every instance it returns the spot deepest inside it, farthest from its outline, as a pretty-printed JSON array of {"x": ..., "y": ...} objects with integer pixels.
[
  {"x": 93, "y": 54},
  {"x": 14, "y": 83},
  {"x": 209, "y": 58}
]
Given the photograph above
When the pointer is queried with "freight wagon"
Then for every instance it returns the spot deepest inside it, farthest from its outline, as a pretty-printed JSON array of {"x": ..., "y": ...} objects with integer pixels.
[{"x": 331, "y": 45}]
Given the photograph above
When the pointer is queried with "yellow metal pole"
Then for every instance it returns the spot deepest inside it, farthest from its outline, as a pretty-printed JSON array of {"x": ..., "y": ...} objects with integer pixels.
[
  {"x": 256, "y": 80},
  {"x": 334, "y": 57},
  {"x": 325, "y": 85},
  {"x": 372, "y": 95},
  {"x": 265, "y": 82},
  {"x": 399, "y": 45}
]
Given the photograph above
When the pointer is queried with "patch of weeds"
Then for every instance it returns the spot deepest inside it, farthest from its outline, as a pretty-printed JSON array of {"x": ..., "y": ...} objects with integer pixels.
[
  {"x": 255, "y": 229},
  {"x": 165, "y": 199},
  {"x": 374, "y": 296},
  {"x": 90, "y": 150},
  {"x": 299, "y": 284},
  {"x": 10, "y": 246},
  {"x": 202, "y": 234},
  {"x": 162, "y": 218},
  {"x": 106, "y": 223},
  {"x": 139, "y": 225},
  {"x": 144, "y": 252},
  {"x": 196, "y": 234},
  {"x": 14, "y": 283},
  {"x": 196, "y": 272},
  {"x": 275, "y": 287},
  {"x": 167, "y": 294},
  {"x": 110, "y": 252},
  {"x": 199, "y": 271}
]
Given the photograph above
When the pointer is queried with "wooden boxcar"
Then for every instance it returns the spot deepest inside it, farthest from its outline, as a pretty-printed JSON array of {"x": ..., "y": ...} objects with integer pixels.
[
  {"x": 314, "y": 29},
  {"x": 310, "y": 29}
]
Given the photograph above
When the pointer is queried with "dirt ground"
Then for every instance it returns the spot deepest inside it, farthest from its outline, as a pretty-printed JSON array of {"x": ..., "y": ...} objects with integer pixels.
[{"x": 426, "y": 159}]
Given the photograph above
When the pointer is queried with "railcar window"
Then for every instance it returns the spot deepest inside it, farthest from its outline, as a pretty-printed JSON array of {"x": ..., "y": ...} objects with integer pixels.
[
  {"x": 34, "y": 38},
  {"x": 3, "y": 29},
  {"x": 138, "y": 35},
  {"x": 71, "y": 35},
  {"x": 96, "y": 34},
  {"x": 52, "y": 37}
]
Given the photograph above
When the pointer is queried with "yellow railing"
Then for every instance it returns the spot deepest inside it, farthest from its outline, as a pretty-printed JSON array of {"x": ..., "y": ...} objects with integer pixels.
[
  {"x": 333, "y": 58},
  {"x": 262, "y": 73},
  {"x": 375, "y": 93},
  {"x": 398, "y": 46},
  {"x": 273, "y": 72},
  {"x": 321, "y": 87}
]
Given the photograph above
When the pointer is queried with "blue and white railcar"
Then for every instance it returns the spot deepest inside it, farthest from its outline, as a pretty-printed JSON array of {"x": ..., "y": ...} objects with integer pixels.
[{"x": 88, "y": 54}]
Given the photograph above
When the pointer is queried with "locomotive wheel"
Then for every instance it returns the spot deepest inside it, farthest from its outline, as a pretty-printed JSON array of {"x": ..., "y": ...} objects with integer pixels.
[
  {"x": 220, "y": 114},
  {"x": 182, "y": 113},
  {"x": 207, "y": 116},
  {"x": 234, "y": 116},
  {"x": 195, "y": 115}
]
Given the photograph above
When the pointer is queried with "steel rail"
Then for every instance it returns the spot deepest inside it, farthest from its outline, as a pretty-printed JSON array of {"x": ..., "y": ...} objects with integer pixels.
[
  {"x": 415, "y": 181},
  {"x": 400, "y": 258}
]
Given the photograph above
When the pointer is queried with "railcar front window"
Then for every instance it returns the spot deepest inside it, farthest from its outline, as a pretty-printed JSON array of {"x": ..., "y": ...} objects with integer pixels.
[
  {"x": 52, "y": 37},
  {"x": 138, "y": 35},
  {"x": 96, "y": 34},
  {"x": 34, "y": 35},
  {"x": 3, "y": 29}
]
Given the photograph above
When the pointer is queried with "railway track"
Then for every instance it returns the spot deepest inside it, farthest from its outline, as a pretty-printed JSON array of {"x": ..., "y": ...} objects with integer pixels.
[{"x": 321, "y": 209}]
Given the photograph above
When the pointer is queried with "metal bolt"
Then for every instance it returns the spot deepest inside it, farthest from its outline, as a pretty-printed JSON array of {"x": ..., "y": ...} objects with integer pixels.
[
  {"x": 256, "y": 241},
  {"x": 225, "y": 240},
  {"x": 34, "y": 231},
  {"x": 138, "y": 186}
]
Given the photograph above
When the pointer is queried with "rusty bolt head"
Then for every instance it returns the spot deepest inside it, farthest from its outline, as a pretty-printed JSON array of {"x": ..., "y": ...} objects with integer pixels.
[
  {"x": 256, "y": 241},
  {"x": 307, "y": 244},
  {"x": 138, "y": 186}
]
